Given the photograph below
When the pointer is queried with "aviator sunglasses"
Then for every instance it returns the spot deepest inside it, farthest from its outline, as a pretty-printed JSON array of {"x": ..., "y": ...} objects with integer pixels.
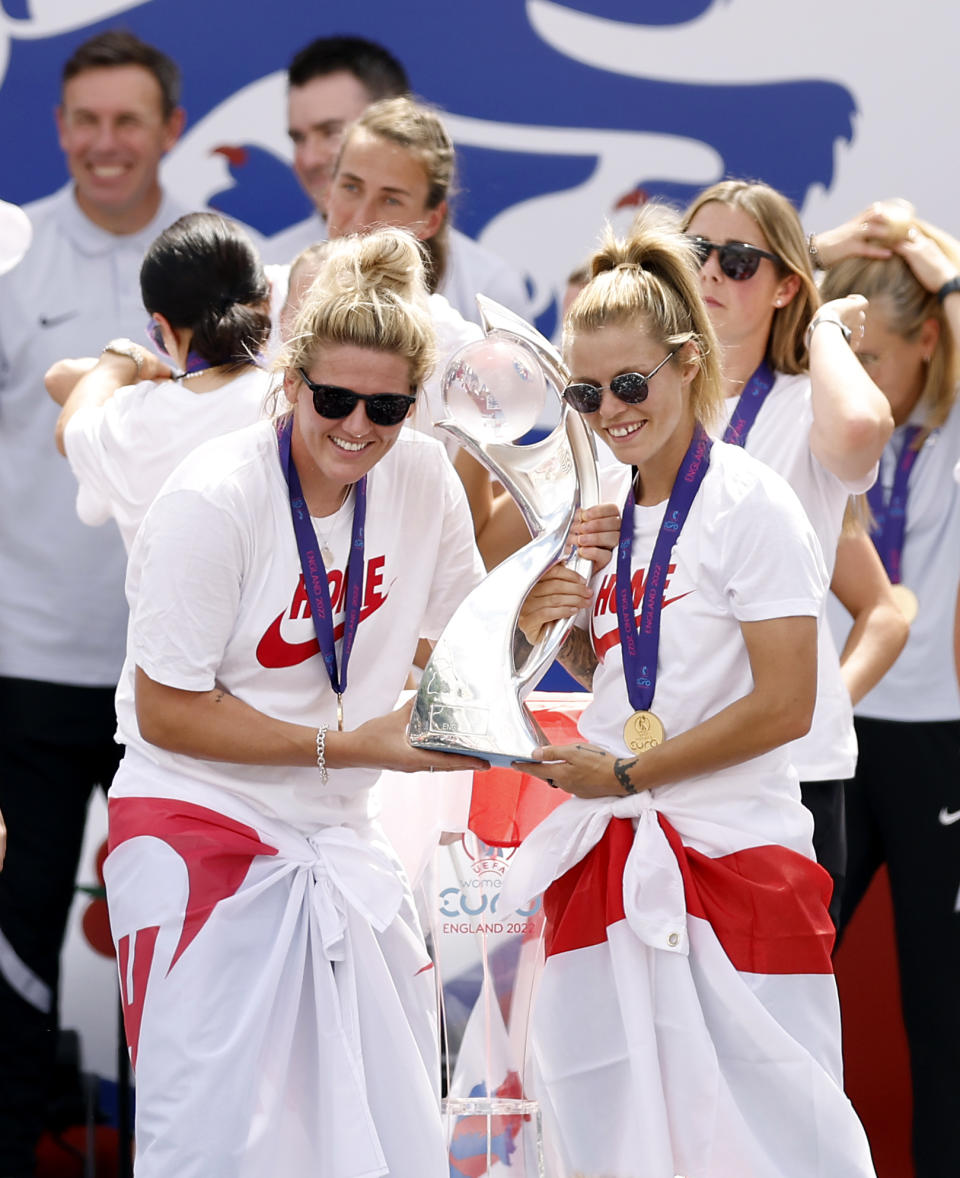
[
  {"x": 629, "y": 387},
  {"x": 737, "y": 260},
  {"x": 330, "y": 400}
]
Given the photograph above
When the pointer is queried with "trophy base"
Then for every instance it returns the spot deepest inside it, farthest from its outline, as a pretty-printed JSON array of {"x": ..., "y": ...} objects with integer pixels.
[
  {"x": 497, "y": 760},
  {"x": 495, "y": 1129},
  {"x": 426, "y": 734}
]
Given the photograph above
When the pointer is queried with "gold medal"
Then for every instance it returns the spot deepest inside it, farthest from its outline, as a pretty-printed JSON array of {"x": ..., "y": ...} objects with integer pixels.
[
  {"x": 906, "y": 600},
  {"x": 643, "y": 731}
]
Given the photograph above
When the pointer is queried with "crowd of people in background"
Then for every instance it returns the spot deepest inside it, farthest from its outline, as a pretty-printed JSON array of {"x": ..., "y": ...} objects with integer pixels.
[{"x": 785, "y": 399}]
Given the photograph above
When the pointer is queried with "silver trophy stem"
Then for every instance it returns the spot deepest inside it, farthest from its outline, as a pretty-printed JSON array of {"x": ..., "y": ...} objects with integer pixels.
[{"x": 471, "y": 696}]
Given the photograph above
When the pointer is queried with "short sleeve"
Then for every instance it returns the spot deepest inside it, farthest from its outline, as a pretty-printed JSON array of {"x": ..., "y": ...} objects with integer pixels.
[
  {"x": 772, "y": 564},
  {"x": 98, "y": 452},
  {"x": 458, "y": 566},
  {"x": 186, "y": 574}
]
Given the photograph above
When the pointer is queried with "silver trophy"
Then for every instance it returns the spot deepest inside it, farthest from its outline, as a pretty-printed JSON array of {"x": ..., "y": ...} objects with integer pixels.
[{"x": 471, "y": 695}]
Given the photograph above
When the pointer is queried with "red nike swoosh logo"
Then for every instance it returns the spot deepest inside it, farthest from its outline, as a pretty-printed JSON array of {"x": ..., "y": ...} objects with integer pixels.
[
  {"x": 603, "y": 644},
  {"x": 274, "y": 652}
]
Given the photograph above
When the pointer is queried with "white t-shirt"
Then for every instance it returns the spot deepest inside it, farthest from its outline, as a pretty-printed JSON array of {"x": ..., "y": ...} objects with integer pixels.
[
  {"x": 217, "y": 596},
  {"x": 62, "y": 612},
  {"x": 122, "y": 451},
  {"x": 746, "y": 553},
  {"x": 922, "y": 683},
  {"x": 472, "y": 269},
  {"x": 780, "y": 437}
]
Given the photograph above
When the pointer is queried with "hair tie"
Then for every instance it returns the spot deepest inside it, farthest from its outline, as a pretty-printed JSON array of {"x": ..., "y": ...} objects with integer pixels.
[{"x": 628, "y": 266}]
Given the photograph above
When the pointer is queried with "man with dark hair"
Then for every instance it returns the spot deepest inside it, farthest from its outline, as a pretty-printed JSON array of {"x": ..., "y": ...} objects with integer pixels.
[
  {"x": 331, "y": 83},
  {"x": 62, "y": 608},
  {"x": 116, "y": 48}
]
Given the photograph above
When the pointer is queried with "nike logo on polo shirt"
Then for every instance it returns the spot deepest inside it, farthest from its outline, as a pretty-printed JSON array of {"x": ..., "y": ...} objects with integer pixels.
[
  {"x": 947, "y": 817},
  {"x": 275, "y": 652},
  {"x": 56, "y": 320}
]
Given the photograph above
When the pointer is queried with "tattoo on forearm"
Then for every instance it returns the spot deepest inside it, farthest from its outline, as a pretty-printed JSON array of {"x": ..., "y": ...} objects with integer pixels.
[
  {"x": 578, "y": 657},
  {"x": 621, "y": 770},
  {"x": 521, "y": 647}
]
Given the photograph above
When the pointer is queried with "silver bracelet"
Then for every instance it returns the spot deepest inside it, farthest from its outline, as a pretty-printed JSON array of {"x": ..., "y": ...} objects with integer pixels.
[
  {"x": 815, "y": 323},
  {"x": 322, "y": 752},
  {"x": 815, "y": 258},
  {"x": 130, "y": 351}
]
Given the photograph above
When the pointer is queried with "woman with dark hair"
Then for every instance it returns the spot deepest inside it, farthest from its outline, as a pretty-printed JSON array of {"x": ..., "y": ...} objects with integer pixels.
[
  {"x": 687, "y": 1019},
  {"x": 903, "y": 805},
  {"x": 128, "y": 421}
]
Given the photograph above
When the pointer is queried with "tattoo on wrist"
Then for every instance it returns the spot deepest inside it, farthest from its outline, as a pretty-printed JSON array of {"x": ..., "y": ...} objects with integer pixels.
[
  {"x": 578, "y": 656},
  {"x": 621, "y": 770}
]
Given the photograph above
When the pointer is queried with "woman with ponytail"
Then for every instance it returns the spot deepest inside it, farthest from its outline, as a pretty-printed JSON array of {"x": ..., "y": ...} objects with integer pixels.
[
  {"x": 279, "y": 998},
  {"x": 686, "y": 917},
  {"x": 128, "y": 421}
]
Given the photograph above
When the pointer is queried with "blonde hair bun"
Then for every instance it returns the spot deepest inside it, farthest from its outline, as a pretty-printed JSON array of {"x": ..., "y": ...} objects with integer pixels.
[
  {"x": 388, "y": 260},
  {"x": 369, "y": 292},
  {"x": 900, "y": 216}
]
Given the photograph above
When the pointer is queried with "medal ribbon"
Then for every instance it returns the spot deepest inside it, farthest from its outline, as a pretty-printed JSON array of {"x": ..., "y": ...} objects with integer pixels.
[
  {"x": 314, "y": 572},
  {"x": 639, "y": 645},
  {"x": 890, "y": 511},
  {"x": 748, "y": 405}
]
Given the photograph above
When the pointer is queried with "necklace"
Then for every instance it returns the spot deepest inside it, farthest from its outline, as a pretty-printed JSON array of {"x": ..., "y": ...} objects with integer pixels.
[
  {"x": 197, "y": 372},
  {"x": 326, "y": 552}
]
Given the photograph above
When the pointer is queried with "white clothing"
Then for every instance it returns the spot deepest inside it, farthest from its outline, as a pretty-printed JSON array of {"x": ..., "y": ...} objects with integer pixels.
[
  {"x": 689, "y": 928},
  {"x": 122, "y": 451},
  {"x": 216, "y": 597},
  {"x": 922, "y": 683},
  {"x": 686, "y": 1021},
  {"x": 780, "y": 437},
  {"x": 278, "y": 997},
  {"x": 472, "y": 269},
  {"x": 62, "y": 612},
  {"x": 747, "y": 553}
]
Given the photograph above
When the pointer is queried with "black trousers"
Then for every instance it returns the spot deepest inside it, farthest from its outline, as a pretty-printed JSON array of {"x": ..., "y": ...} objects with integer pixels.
[
  {"x": 56, "y": 744},
  {"x": 824, "y": 800},
  {"x": 903, "y": 808}
]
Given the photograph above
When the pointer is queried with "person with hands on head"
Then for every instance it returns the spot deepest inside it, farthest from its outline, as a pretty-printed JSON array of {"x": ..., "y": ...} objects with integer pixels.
[
  {"x": 674, "y": 874},
  {"x": 279, "y": 584},
  {"x": 127, "y": 422},
  {"x": 797, "y": 398},
  {"x": 902, "y": 806}
]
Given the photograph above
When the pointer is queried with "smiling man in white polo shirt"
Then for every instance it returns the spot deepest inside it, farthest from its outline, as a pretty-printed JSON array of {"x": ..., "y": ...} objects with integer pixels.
[{"x": 62, "y": 608}]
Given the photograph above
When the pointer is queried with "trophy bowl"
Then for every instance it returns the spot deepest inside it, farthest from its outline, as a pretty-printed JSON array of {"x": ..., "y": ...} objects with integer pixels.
[{"x": 495, "y": 391}]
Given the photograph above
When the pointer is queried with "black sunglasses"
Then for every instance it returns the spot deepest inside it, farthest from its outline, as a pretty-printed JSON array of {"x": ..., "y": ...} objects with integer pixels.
[
  {"x": 738, "y": 260},
  {"x": 330, "y": 400},
  {"x": 630, "y": 387}
]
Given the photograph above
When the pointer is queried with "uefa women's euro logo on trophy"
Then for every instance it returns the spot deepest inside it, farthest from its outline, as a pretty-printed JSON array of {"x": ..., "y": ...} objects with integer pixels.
[{"x": 494, "y": 390}]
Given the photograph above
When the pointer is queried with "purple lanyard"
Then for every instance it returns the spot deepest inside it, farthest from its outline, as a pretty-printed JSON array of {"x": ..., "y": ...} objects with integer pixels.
[
  {"x": 890, "y": 511},
  {"x": 640, "y": 646},
  {"x": 748, "y": 405},
  {"x": 314, "y": 572}
]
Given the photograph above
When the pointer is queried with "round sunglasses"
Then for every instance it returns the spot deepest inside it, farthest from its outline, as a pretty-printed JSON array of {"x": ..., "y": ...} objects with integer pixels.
[
  {"x": 330, "y": 400},
  {"x": 737, "y": 260},
  {"x": 630, "y": 387}
]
